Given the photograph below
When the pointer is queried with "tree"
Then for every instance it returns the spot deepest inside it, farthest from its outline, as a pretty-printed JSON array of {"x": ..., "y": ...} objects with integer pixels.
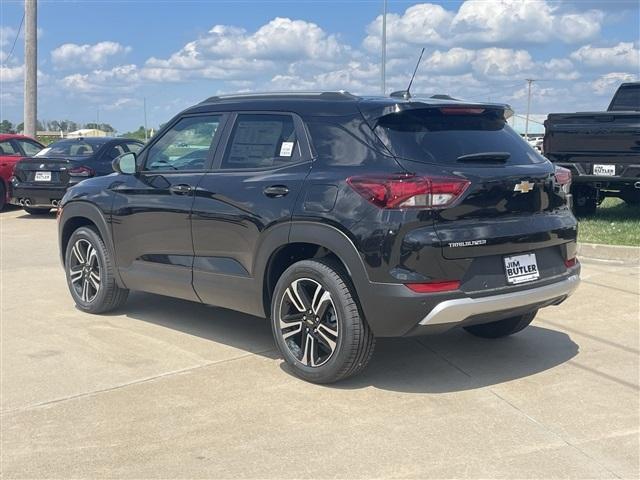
[
  {"x": 137, "y": 134},
  {"x": 6, "y": 127}
]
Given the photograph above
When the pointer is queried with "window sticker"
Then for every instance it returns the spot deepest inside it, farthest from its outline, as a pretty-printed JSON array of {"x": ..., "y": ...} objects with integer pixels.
[{"x": 286, "y": 149}]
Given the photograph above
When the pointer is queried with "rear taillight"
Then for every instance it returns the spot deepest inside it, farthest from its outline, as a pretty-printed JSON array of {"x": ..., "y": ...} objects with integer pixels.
[
  {"x": 81, "y": 171},
  {"x": 461, "y": 111},
  {"x": 408, "y": 191},
  {"x": 433, "y": 287},
  {"x": 571, "y": 262},
  {"x": 563, "y": 178}
]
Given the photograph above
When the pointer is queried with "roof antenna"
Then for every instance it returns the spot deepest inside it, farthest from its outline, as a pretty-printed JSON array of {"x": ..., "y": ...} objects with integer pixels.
[{"x": 407, "y": 93}]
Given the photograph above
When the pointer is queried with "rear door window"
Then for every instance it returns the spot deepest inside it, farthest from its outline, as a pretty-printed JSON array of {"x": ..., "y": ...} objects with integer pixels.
[
  {"x": 7, "y": 148},
  {"x": 261, "y": 141},
  {"x": 434, "y": 135},
  {"x": 28, "y": 147}
]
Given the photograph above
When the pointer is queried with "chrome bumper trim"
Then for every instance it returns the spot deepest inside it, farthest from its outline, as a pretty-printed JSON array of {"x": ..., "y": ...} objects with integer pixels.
[{"x": 458, "y": 310}]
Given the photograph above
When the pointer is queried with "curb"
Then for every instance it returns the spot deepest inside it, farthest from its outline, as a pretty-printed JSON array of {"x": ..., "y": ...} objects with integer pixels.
[{"x": 614, "y": 253}]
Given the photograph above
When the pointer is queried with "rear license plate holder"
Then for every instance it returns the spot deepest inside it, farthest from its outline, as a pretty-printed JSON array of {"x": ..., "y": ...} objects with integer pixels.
[
  {"x": 521, "y": 268},
  {"x": 604, "y": 170},
  {"x": 43, "y": 177}
]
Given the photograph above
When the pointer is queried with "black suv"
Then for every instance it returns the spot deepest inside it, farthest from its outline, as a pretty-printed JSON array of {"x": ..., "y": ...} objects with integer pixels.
[{"x": 340, "y": 218}]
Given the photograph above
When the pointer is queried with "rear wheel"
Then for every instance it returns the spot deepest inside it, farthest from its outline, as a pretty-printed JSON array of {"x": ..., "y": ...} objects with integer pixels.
[
  {"x": 317, "y": 324},
  {"x": 37, "y": 211},
  {"x": 502, "y": 328},
  {"x": 90, "y": 273},
  {"x": 585, "y": 200}
]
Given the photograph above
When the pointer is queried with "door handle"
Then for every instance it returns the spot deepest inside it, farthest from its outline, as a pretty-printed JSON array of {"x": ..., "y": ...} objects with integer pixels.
[
  {"x": 180, "y": 189},
  {"x": 276, "y": 191}
]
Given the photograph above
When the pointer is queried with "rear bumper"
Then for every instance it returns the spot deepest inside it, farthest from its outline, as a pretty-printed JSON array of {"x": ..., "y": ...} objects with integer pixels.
[
  {"x": 392, "y": 310},
  {"x": 460, "y": 309},
  {"x": 39, "y": 196}
]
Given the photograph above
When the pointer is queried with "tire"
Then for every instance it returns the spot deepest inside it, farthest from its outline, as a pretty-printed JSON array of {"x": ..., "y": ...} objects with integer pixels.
[
  {"x": 585, "y": 201},
  {"x": 341, "y": 342},
  {"x": 90, "y": 275},
  {"x": 36, "y": 211},
  {"x": 502, "y": 328},
  {"x": 3, "y": 196},
  {"x": 631, "y": 196}
]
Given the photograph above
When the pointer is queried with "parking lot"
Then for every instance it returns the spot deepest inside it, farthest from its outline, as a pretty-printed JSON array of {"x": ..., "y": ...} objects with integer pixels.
[{"x": 168, "y": 388}]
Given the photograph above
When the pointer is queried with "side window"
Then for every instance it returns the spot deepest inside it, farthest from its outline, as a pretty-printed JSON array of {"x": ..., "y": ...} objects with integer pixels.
[
  {"x": 261, "y": 140},
  {"x": 6, "y": 148},
  {"x": 114, "y": 152},
  {"x": 134, "y": 147},
  {"x": 185, "y": 146},
  {"x": 30, "y": 148}
]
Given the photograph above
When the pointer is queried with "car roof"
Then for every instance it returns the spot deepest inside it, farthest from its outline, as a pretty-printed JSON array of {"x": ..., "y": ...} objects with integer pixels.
[
  {"x": 17, "y": 136},
  {"x": 329, "y": 103}
]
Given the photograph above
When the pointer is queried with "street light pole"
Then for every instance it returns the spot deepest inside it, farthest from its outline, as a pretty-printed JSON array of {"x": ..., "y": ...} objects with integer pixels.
[
  {"x": 526, "y": 123},
  {"x": 30, "y": 67},
  {"x": 383, "y": 66}
]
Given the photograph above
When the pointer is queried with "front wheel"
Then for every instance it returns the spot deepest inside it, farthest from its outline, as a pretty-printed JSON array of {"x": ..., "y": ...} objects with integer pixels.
[
  {"x": 502, "y": 328},
  {"x": 317, "y": 324},
  {"x": 90, "y": 273}
]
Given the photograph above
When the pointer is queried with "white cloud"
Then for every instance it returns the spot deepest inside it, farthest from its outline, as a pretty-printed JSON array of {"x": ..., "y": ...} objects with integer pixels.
[
  {"x": 516, "y": 22},
  {"x": 70, "y": 55},
  {"x": 122, "y": 77},
  {"x": 11, "y": 74},
  {"x": 623, "y": 55},
  {"x": 606, "y": 84}
]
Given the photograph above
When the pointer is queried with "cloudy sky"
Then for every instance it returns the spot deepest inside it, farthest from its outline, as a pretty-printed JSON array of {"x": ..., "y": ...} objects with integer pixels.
[{"x": 109, "y": 55}]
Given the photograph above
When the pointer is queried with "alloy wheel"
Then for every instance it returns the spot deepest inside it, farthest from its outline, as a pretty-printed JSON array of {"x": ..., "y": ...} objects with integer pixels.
[
  {"x": 84, "y": 270},
  {"x": 308, "y": 322}
]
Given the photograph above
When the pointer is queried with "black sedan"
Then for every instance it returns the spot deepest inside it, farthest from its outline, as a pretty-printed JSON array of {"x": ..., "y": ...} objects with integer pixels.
[{"x": 39, "y": 182}]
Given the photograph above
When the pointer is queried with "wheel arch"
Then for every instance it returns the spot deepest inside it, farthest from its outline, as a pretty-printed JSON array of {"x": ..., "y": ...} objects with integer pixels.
[
  {"x": 308, "y": 240},
  {"x": 79, "y": 214}
]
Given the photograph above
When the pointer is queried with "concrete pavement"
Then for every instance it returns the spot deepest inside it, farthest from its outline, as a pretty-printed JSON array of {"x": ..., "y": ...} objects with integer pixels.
[{"x": 165, "y": 388}]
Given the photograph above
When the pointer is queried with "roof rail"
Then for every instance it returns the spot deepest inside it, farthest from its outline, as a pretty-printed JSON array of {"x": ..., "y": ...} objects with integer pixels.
[{"x": 337, "y": 95}]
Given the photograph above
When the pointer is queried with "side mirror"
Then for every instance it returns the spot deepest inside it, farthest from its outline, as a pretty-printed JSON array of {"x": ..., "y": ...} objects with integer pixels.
[{"x": 125, "y": 163}]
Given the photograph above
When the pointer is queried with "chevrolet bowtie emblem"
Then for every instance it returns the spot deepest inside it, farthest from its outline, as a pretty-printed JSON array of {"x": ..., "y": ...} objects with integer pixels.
[{"x": 523, "y": 187}]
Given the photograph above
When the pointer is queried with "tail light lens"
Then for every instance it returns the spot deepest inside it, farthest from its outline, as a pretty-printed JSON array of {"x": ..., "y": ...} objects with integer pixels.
[
  {"x": 432, "y": 287},
  {"x": 461, "y": 111},
  {"x": 563, "y": 178},
  {"x": 81, "y": 171},
  {"x": 571, "y": 262},
  {"x": 408, "y": 191}
]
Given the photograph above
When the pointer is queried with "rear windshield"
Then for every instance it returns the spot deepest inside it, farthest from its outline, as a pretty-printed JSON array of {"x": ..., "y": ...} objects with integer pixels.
[
  {"x": 626, "y": 99},
  {"x": 430, "y": 136},
  {"x": 70, "y": 148}
]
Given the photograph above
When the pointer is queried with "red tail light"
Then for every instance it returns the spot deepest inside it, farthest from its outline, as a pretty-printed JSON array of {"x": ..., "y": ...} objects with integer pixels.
[
  {"x": 408, "y": 191},
  {"x": 563, "y": 175},
  {"x": 432, "y": 287},
  {"x": 461, "y": 111},
  {"x": 81, "y": 171},
  {"x": 571, "y": 262}
]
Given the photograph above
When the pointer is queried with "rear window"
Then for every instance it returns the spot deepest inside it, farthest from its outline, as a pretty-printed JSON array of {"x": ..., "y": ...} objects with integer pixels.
[
  {"x": 70, "y": 148},
  {"x": 626, "y": 99},
  {"x": 430, "y": 136}
]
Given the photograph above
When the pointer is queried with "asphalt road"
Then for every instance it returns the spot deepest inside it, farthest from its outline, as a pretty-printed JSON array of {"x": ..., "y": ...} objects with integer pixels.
[{"x": 167, "y": 388}]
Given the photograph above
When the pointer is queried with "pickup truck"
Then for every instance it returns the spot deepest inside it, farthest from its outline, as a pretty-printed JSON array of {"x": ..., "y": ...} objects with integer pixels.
[{"x": 602, "y": 150}]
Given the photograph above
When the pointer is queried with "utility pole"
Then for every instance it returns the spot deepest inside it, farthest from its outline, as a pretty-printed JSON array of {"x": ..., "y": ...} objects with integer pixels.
[
  {"x": 30, "y": 67},
  {"x": 526, "y": 123},
  {"x": 383, "y": 66},
  {"x": 145, "y": 118}
]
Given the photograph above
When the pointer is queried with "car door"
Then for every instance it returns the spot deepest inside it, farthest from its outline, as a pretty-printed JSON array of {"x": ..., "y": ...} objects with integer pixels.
[
  {"x": 257, "y": 176},
  {"x": 151, "y": 214}
]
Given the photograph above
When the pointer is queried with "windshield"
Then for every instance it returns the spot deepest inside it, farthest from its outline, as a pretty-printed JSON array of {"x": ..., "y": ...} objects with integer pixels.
[
  {"x": 70, "y": 148},
  {"x": 431, "y": 136}
]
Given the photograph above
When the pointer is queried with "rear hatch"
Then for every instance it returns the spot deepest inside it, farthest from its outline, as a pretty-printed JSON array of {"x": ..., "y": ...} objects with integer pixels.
[
  {"x": 43, "y": 171},
  {"x": 512, "y": 203},
  {"x": 585, "y": 138}
]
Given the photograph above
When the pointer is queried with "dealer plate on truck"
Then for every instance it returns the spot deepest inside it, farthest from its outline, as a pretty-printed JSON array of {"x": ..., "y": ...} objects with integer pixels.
[
  {"x": 521, "y": 268},
  {"x": 604, "y": 170},
  {"x": 43, "y": 176}
]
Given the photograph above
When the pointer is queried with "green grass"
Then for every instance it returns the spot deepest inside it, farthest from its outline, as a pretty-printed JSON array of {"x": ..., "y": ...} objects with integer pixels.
[{"x": 615, "y": 223}]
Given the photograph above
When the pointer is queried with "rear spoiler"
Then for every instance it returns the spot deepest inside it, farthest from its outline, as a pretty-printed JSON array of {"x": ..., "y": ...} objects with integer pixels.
[{"x": 374, "y": 113}]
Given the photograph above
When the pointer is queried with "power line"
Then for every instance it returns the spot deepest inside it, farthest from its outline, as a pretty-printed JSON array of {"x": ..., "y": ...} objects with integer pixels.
[{"x": 6, "y": 61}]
